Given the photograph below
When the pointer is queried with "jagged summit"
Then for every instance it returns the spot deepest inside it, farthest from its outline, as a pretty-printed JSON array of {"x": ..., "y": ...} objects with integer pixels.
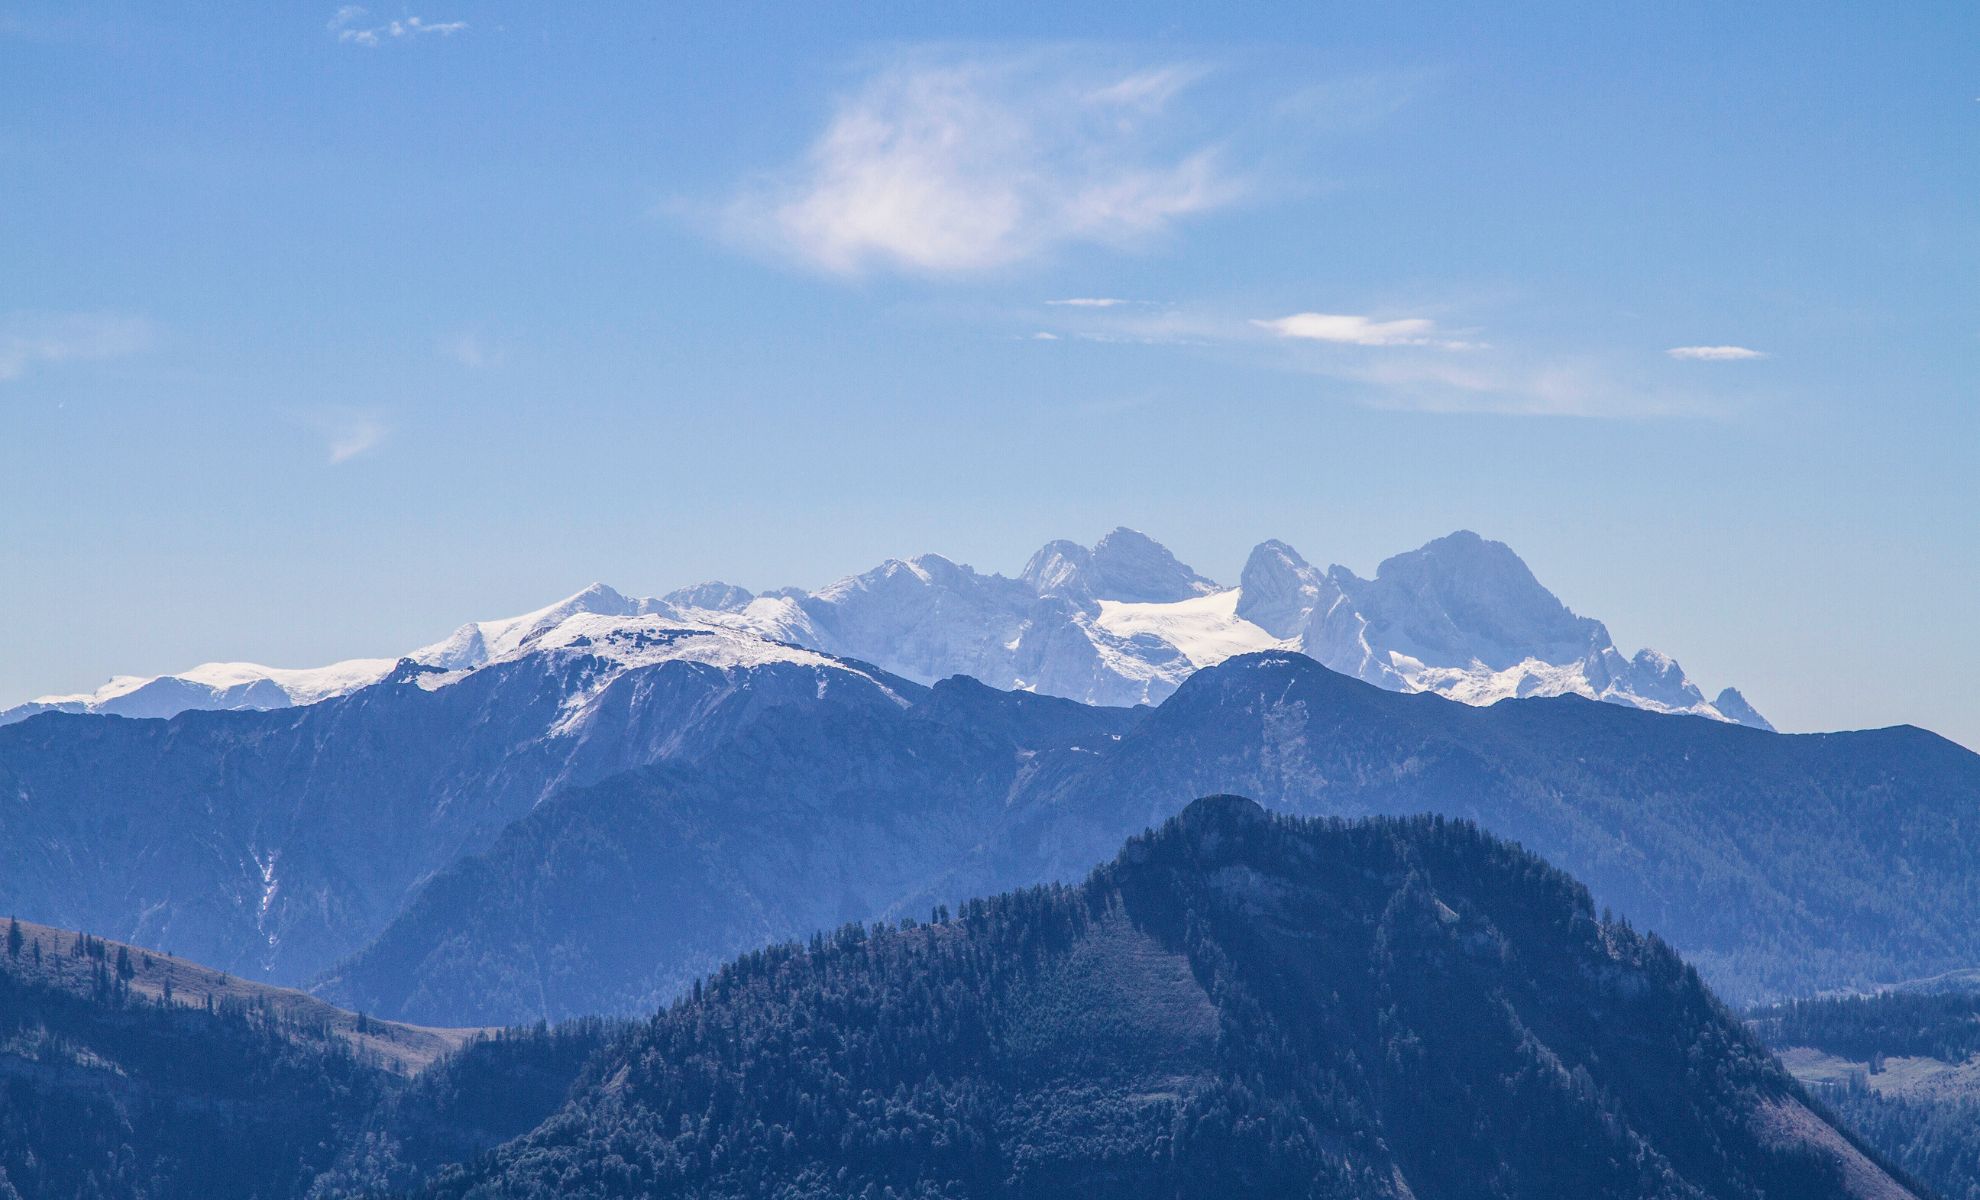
[
  {"x": 480, "y": 642},
  {"x": 1121, "y": 622},
  {"x": 1737, "y": 709},
  {"x": 712, "y": 597},
  {"x": 1125, "y": 565},
  {"x": 1278, "y": 589},
  {"x": 1462, "y": 598}
]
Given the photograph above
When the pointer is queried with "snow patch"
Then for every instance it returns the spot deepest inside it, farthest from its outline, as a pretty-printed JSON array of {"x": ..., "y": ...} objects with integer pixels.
[{"x": 1207, "y": 629}]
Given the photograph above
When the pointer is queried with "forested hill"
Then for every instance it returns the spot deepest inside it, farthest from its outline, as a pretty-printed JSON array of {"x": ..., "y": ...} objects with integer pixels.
[
  {"x": 114, "y": 973},
  {"x": 1238, "y": 1005},
  {"x": 126, "y": 1073},
  {"x": 1901, "y": 1067}
]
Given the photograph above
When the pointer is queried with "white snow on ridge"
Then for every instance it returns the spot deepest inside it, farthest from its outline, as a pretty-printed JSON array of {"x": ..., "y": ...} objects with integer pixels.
[
  {"x": 225, "y": 685},
  {"x": 1122, "y": 622},
  {"x": 480, "y": 642},
  {"x": 643, "y": 641},
  {"x": 304, "y": 685},
  {"x": 634, "y": 642},
  {"x": 1482, "y": 685}
]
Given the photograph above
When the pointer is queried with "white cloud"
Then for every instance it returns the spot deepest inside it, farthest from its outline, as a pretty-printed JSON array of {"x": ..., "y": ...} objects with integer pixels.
[
  {"x": 30, "y": 340},
  {"x": 1149, "y": 323},
  {"x": 953, "y": 165},
  {"x": 1088, "y": 302},
  {"x": 1350, "y": 330},
  {"x": 1413, "y": 370},
  {"x": 350, "y": 25},
  {"x": 1353, "y": 330},
  {"x": 352, "y": 434},
  {"x": 1044, "y": 336},
  {"x": 1521, "y": 387},
  {"x": 1145, "y": 90},
  {"x": 1408, "y": 364},
  {"x": 1714, "y": 353}
]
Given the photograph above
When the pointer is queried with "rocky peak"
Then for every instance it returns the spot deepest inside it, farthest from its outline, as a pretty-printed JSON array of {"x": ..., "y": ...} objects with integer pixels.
[{"x": 1125, "y": 565}]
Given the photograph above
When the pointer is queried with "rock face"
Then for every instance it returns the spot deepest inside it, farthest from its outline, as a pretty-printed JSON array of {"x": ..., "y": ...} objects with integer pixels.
[
  {"x": 1462, "y": 617},
  {"x": 1126, "y": 565},
  {"x": 1119, "y": 623},
  {"x": 1239, "y": 1005}
]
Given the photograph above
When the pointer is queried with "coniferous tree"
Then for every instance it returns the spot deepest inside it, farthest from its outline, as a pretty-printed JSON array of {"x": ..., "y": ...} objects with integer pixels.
[{"x": 14, "y": 938}]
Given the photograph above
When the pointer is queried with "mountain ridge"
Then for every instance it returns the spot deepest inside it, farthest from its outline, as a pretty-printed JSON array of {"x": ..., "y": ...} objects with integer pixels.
[
  {"x": 1121, "y": 622},
  {"x": 1754, "y": 852},
  {"x": 1236, "y": 1004},
  {"x": 129, "y": 1073},
  {"x": 270, "y": 843}
]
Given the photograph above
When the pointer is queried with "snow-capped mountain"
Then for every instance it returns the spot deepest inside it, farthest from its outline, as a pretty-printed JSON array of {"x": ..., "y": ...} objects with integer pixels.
[
  {"x": 1125, "y": 623},
  {"x": 1461, "y": 616},
  {"x": 1119, "y": 623},
  {"x": 599, "y": 621},
  {"x": 227, "y": 685},
  {"x": 275, "y": 842}
]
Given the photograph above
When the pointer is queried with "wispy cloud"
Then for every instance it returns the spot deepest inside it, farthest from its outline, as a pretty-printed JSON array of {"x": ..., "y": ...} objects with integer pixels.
[
  {"x": 1352, "y": 330},
  {"x": 1714, "y": 353},
  {"x": 1087, "y": 302},
  {"x": 32, "y": 340},
  {"x": 1410, "y": 363},
  {"x": 1356, "y": 102},
  {"x": 352, "y": 24},
  {"x": 1515, "y": 386},
  {"x": 351, "y": 434},
  {"x": 943, "y": 165}
]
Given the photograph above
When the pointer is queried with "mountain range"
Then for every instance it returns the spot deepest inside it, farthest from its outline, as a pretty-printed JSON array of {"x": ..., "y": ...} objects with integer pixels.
[
  {"x": 1119, "y": 623},
  {"x": 1379, "y": 988},
  {"x": 591, "y": 820},
  {"x": 1758, "y": 854},
  {"x": 272, "y": 842},
  {"x": 1235, "y": 1004},
  {"x": 1418, "y": 975}
]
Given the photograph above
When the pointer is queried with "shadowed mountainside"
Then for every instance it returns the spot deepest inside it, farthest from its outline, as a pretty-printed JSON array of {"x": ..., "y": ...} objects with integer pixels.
[
  {"x": 1239, "y": 1005},
  {"x": 1757, "y": 853}
]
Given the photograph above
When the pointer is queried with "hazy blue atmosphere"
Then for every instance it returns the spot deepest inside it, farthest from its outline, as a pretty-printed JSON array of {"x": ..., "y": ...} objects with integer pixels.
[{"x": 325, "y": 330}]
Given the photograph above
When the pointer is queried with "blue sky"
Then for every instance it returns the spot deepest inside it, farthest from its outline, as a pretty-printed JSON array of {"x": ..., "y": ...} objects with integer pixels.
[{"x": 323, "y": 330}]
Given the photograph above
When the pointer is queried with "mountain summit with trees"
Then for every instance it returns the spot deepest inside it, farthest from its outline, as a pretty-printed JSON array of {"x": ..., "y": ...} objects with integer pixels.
[{"x": 1240, "y": 1004}]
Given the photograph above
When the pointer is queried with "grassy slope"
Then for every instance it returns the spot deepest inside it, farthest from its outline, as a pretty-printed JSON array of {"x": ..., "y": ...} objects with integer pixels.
[{"x": 405, "y": 1049}]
